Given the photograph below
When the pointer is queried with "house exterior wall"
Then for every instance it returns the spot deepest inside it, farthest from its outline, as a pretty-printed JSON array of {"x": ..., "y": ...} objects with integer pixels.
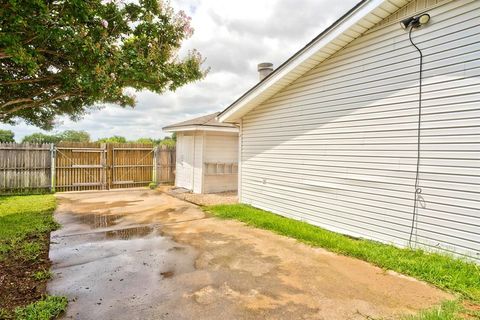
[
  {"x": 337, "y": 148},
  {"x": 221, "y": 148}
]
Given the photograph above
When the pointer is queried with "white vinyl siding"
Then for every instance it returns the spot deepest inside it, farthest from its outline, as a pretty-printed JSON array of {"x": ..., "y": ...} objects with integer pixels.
[
  {"x": 189, "y": 163},
  {"x": 337, "y": 147},
  {"x": 198, "y": 162},
  {"x": 184, "y": 162}
]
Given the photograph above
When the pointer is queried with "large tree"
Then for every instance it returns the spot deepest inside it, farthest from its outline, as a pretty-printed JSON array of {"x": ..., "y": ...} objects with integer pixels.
[
  {"x": 63, "y": 57},
  {"x": 7, "y": 136}
]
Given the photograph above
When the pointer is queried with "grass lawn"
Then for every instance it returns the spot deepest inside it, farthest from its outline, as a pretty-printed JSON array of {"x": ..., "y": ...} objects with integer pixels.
[
  {"x": 440, "y": 270},
  {"x": 25, "y": 225}
]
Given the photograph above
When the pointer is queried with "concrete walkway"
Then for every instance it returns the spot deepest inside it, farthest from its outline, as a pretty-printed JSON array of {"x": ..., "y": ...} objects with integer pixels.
[{"x": 138, "y": 254}]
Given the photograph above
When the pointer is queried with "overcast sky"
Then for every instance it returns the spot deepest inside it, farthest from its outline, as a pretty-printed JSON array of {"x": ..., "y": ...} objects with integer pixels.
[{"x": 234, "y": 36}]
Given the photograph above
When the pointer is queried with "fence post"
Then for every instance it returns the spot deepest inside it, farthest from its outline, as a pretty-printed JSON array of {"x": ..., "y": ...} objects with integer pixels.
[
  {"x": 52, "y": 168},
  {"x": 155, "y": 163},
  {"x": 103, "y": 163}
]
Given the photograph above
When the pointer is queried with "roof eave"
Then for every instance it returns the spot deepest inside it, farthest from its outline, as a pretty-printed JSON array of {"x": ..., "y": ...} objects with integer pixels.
[
  {"x": 200, "y": 128},
  {"x": 306, "y": 56}
]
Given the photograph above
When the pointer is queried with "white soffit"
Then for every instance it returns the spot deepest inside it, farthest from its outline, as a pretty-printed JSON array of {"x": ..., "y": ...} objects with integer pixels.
[
  {"x": 352, "y": 25},
  {"x": 201, "y": 128}
]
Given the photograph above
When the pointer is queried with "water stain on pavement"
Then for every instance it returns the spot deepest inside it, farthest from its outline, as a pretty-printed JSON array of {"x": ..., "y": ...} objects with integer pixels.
[{"x": 138, "y": 254}]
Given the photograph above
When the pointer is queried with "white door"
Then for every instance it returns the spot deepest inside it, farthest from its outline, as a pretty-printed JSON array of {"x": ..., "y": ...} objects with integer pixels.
[{"x": 184, "y": 172}]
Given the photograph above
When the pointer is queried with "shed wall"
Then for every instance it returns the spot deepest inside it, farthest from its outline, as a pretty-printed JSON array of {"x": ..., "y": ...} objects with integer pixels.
[
  {"x": 189, "y": 161},
  {"x": 222, "y": 149},
  {"x": 184, "y": 161},
  {"x": 198, "y": 162},
  {"x": 337, "y": 147}
]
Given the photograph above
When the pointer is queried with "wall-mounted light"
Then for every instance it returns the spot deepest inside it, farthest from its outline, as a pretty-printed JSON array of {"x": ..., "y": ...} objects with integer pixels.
[{"x": 416, "y": 21}]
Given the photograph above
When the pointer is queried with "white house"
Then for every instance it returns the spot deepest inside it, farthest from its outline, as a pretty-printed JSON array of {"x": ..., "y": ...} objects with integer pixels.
[
  {"x": 333, "y": 135},
  {"x": 207, "y": 155}
]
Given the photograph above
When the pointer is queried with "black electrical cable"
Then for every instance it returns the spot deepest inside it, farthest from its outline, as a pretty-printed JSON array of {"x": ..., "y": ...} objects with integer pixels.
[{"x": 418, "y": 190}]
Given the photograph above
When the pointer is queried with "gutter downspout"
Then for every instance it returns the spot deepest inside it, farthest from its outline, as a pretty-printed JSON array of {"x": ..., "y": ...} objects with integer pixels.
[
  {"x": 239, "y": 168},
  {"x": 193, "y": 164}
]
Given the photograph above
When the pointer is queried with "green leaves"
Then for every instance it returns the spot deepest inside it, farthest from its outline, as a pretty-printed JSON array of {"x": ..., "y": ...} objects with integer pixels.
[
  {"x": 7, "y": 136},
  {"x": 68, "y": 135},
  {"x": 66, "y": 57}
]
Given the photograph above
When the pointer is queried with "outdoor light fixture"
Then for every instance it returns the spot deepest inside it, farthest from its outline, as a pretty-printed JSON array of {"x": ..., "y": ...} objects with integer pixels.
[{"x": 415, "y": 21}]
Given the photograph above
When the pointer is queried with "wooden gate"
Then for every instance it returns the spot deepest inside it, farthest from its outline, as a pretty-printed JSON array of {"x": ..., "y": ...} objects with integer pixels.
[
  {"x": 81, "y": 166},
  {"x": 131, "y": 165},
  {"x": 100, "y": 166}
]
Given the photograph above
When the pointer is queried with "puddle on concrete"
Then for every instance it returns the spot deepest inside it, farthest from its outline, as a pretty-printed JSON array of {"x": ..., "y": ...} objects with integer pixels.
[
  {"x": 129, "y": 233},
  {"x": 96, "y": 221}
]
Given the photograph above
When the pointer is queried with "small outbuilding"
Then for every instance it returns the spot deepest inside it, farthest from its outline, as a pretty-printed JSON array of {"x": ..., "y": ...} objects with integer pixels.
[{"x": 207, "y": 155}]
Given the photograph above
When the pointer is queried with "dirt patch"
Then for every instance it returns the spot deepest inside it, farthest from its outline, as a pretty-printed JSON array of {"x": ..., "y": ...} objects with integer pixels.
[
  {"x": 17, "y": 284},
  {"x": 472, "y": 310},
  {"x": 167, "y": 274},
  {"x": 209, "y": 199}
]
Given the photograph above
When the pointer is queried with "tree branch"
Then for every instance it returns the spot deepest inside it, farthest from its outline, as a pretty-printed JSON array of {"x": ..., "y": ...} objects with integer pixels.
[
  {"x": 15, "y": 101},
  {"x": 13, "y": 82},
  {"x": 37, "y": 103},
  {"x": 23, "y": 100},
  {"x": 3, "y": 55}
]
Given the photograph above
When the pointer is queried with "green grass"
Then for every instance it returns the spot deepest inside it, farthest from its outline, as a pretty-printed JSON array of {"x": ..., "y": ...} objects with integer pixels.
[
  {"x": 25, "y": 222},
  {"x": 443, "y": 271},
  {"x": 42, "y": 275},
  {"x": 447, "y": 311},
  {"x": 48, "y": 308},
  {"x": 22, "y": 217}
]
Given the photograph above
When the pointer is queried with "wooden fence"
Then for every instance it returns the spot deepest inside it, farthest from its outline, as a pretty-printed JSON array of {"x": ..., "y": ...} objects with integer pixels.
[
  {"x": 165, "y": 165},
  {"x": 83, "y": 166},
  {"x": 25, "y": 167}
]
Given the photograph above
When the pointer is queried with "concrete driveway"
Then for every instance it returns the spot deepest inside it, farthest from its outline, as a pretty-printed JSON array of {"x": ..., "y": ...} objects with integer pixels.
[{"x": 138, "y": 254}]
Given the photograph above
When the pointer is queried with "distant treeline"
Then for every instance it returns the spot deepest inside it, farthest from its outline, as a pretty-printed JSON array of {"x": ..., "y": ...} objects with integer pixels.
[{"x": 80, "y": 136}]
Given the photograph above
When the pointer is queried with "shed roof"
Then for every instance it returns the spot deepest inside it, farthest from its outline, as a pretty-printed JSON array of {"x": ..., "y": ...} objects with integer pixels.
[
  {"x": 208, "y": 122},
  {"x": 363, "y": 16}
]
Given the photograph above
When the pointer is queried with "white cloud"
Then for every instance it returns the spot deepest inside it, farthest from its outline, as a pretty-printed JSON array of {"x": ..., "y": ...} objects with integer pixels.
[{"x": 234, "y": 36}]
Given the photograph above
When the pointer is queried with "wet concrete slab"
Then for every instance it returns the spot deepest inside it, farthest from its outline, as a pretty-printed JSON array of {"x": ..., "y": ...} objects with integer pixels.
[{"x": 138, "y": 254}]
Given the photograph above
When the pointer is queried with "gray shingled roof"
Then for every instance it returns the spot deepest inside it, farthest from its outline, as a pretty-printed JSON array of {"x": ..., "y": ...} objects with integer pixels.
[{"x": 208, "y": 120}]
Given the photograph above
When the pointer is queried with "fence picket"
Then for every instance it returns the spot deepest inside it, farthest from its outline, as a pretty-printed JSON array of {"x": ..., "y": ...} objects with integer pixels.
[{"x": 82, "y": 166}]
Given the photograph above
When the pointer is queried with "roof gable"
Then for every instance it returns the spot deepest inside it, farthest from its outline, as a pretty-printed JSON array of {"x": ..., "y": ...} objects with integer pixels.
[{"x": 349, "y": 27}]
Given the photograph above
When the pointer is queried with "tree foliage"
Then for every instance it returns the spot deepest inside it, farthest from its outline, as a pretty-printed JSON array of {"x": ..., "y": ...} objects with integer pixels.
[
  {"x": 146, "y": 141},
  {"x": 169, "y": 142},
  {"x": 74, "y": 136},
  {"x": 41, "y": 138},
  {"x": 113, "y": 139},
  {"x": 7, "y": 136},
  {"x": 66, "y": 57},
  {"x": 65, "y": 136}
]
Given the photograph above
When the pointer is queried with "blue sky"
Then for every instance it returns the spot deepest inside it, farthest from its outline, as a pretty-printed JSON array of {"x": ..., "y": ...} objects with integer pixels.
[{"x": 233, "y": 36}]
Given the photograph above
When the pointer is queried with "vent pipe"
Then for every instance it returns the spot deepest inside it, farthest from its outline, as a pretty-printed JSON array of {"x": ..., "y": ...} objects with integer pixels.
[{"x": 264, "y": 69}]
